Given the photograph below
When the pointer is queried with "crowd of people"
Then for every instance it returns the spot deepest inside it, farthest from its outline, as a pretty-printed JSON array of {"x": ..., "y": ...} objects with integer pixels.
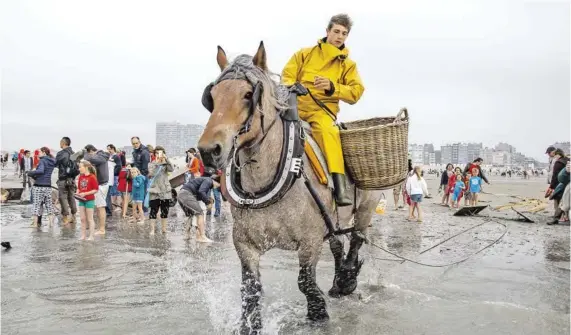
[{"x": 101, "y": 183}]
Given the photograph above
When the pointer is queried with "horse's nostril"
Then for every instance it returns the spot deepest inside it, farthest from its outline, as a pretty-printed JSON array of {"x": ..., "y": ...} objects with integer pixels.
[{"x": 217, "y": 150}]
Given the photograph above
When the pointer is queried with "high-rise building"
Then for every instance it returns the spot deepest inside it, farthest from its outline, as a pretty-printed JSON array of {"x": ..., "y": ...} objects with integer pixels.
[
  {"x": 474, "y": 151},
  {"x": 417, "y": 154},
  {"x": 462, "y": 153},
  {"x": 437, "y": 157},
  {"x": 446, "y": 154},
  {"x": 176, "y": 138},
  {"x": 505, "y": 147}
]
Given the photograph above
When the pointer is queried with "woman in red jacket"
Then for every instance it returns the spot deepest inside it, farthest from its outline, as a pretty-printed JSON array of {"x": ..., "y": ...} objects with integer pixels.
[{"x": 36, "y": 158}]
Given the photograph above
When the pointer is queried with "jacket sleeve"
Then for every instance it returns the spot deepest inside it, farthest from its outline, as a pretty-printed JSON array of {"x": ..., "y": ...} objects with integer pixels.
[
  {"x": 557, "y": 167},
  {"x": 483, "y": 176},
  {"x": 291, "y": 69},
  {"x": 351, "y": 89},
  {"x": 117, "y": 168},
  {"x": 169, "y": 166},
  {"x": 38, "y": 171},
  {"x": 424, "y": 187},
  {"x": 204, "y": 190},
  {"x": 443, "y": 180},
  {"x": 145, "y": 161},
  {"x": 408, "y": 185},
  {"x": 96, "y": 159}
]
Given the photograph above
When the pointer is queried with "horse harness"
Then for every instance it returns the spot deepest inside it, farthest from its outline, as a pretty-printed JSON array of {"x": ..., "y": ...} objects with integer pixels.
[{"x": 290, "y": 166}]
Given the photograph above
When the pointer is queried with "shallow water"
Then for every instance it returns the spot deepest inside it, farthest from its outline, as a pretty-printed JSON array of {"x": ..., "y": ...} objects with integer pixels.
[{"x": 129, "y": 283}]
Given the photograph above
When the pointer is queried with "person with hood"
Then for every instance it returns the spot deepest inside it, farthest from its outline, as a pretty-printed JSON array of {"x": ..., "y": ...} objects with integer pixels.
[
  {"x": 326, "y": 70},
  {"x": 67, "y": 171},
  {"x": 160, "y": 190},
  {"x": 189, "y": 197},
  {"x": 42, "y": 190},
  {"x": 99, "y": 159},
  {"x": 560, "y": 161},
  {"x": 21, "y": 155},
  {"x": 141, "y": 156}
]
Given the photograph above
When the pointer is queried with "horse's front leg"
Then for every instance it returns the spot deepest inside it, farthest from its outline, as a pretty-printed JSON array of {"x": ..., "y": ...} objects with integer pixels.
[
  {"x": 306, "y": 281},
  {"x": 251, "y": 290}
]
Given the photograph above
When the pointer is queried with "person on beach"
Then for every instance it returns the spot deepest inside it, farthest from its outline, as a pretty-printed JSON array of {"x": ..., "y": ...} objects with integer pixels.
[
  {"x": 189, "y": 198},
  {"x": 87, "y": 187},
  {"x": 26, "y": 165},
  {"x": 138, "y": 195},
  {"x": 42, "y": 190},
  {"x": 160, "y": 190},
  {"x": 125, "y": 187},
  {"x": 67, "y": 172},
  {"x": 115, "y": 165},
  {"x": 475, "y": 186},
  {"x": 467, "y": 193},
  {"x": 444, "y": 183},
  {"x": 459, "y": 188},
  {"x": 477, "y": 163},
  {"x": 416, "y": 187},
  {"x": 559, "y": 163}
]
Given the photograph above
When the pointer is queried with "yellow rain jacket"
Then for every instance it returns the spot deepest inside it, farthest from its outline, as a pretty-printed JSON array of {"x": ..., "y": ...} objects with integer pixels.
[{"x": 325, "y": 60}]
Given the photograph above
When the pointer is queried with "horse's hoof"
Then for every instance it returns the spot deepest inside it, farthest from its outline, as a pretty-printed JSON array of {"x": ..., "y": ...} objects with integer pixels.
[{"x": 334, "y": 292}]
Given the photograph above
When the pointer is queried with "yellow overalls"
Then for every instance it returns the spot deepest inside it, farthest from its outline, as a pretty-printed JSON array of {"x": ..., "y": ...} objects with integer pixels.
[{"x": 327, "y": 61}]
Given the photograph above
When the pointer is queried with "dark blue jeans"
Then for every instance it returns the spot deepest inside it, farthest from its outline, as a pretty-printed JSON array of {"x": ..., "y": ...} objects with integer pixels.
[{"x": 217, "y": 201}]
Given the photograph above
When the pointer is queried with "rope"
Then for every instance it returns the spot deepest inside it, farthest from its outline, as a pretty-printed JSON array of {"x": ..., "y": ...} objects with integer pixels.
[{"x": 449, "y": 264}]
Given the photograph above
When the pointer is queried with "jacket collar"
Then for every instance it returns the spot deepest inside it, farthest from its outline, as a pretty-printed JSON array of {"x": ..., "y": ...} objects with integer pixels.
[{"x": 331, "y": 52}]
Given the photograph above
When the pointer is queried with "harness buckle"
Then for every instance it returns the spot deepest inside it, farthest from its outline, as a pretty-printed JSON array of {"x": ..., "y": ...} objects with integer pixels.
[{"x": 296, "y": 165}]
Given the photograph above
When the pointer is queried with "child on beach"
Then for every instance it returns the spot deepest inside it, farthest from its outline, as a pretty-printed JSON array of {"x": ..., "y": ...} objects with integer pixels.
[
  {"x": 459, "y": 188},
  {"x": 416, "y": 187},
  {"x": 138, "y": 194},
  {"x": 87, "y": 186},
  {"x": 475, "y": 186},
  {"x": 467, "y": 193},
  {"x": 125, "y": 186}
]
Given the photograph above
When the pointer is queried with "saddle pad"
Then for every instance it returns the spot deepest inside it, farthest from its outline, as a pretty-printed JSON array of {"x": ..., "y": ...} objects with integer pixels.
[{"x": 316, "y": 158}]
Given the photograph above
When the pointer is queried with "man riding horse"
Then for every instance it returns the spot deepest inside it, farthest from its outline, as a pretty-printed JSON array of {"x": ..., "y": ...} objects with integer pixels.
[{"x": 330, "y": 76}]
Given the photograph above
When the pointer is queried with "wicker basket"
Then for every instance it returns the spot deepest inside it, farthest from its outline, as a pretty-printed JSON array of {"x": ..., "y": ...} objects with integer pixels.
[{"x": 376, "y": 151}]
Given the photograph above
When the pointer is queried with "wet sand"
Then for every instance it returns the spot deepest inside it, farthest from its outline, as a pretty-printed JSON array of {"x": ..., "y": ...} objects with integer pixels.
[{"x": 130, "y": 283}]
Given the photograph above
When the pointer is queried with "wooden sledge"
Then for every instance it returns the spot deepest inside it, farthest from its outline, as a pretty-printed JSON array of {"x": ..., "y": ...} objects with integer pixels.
[{"x": 469, "y": 211}]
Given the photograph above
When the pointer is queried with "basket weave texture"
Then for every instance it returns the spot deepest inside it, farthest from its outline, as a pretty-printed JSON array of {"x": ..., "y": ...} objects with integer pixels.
[{"x": 376, "y": 151}]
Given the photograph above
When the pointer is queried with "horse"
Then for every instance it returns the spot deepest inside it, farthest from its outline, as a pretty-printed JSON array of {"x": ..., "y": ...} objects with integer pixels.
[{"x": 248, "y": 124}]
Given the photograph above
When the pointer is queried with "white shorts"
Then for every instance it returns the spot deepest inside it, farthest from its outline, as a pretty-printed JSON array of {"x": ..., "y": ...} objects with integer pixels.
[{"x": 101, "y": 196}]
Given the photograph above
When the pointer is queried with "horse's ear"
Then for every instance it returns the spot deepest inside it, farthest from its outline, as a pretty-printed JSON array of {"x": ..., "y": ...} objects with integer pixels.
[
  {"x": 260, "y": 59},
  {"x": 221, "y": 58}
]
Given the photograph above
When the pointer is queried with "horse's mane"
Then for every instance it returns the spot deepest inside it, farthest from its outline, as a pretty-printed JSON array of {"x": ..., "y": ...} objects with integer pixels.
[{"x": 274, "y": 96}]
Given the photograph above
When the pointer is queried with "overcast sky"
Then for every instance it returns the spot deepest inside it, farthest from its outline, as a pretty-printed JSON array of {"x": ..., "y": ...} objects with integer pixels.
[{"x": 103, "y": 71}]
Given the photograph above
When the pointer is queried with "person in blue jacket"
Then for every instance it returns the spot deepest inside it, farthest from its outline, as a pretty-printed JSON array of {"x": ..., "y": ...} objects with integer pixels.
[
  {"x": 42, "y": 190},
  {"x": 189, "y": 198}
]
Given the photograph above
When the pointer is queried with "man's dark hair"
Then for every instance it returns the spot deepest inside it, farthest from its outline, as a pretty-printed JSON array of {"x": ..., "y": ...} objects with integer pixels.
[
  {"x": 342, "y": 20},
  {"x": 137, "y": 137},
  {"x": 112, "y": 147},
  {"x": 90, "y": 147},
  {"x": 192, "y": 150},
  {"x": 66, "y": 140},
  {"x": 478, "y": 160},
  {"x": 26, "y": 152}
]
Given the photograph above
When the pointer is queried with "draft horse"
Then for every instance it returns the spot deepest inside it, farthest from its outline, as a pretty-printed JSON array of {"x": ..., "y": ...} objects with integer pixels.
[{"x": 255, "y": 136}]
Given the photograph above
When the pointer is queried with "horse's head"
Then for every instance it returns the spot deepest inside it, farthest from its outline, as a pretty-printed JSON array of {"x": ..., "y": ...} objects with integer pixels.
[{"x": 241, "y": 100}]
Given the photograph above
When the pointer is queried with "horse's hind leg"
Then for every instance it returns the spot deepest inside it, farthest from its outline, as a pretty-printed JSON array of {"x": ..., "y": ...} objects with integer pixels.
[
  {"x": 316, "y": 307},
  {"x": 347, "y": 281},
  {"x": 251, "y": 290}
]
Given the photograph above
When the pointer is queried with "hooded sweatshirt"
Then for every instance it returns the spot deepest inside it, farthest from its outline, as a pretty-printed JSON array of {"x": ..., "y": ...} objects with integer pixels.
[
  {"x": 141, "y": 159},
  {"x": 99, "y": 160},
  {"x": 43, "y": 174}
]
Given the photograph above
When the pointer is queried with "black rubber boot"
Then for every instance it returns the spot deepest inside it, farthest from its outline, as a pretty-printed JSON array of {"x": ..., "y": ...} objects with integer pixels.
[{"x": 340, "y": 196}]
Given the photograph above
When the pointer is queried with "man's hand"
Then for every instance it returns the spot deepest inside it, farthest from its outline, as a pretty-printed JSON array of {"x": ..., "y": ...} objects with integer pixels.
[
  {"x": 322, "y": 83},
  {"x": 548, "y": 192}
]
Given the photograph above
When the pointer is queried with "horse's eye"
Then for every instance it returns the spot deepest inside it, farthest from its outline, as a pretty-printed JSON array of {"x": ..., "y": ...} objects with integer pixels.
[{"x": 248, "y": 96}]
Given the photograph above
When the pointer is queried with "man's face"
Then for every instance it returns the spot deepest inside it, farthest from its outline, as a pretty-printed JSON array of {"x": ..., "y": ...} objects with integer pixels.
[
  {"x": 28, "y": 154},
  {"x": 61, "y": 144},
  {"x": 136, "y": 143},
  {"x": 337, "y": 35}
]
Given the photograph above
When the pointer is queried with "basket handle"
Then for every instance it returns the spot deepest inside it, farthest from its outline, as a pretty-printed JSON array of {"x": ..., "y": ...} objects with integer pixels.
[{"x": 399, "y": 117}]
